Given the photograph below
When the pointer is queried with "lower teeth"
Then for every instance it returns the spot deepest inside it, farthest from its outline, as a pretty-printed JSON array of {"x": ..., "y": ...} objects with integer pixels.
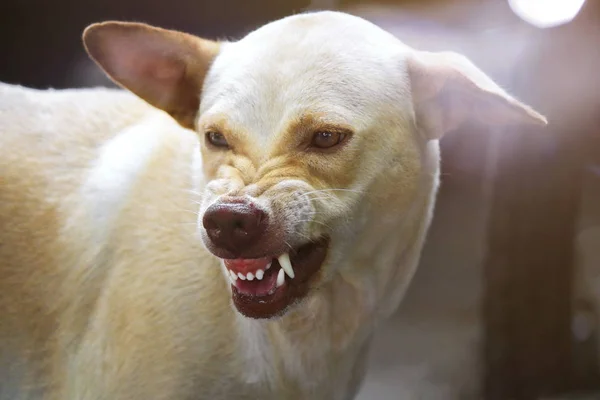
[{"x": 280, "y": 281}]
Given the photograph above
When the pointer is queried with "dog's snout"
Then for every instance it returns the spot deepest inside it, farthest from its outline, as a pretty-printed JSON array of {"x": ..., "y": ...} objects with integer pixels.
[{"x": 234, "y": 225}]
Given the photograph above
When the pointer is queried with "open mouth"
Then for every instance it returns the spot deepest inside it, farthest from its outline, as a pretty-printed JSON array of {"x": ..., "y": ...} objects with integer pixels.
[{"x": 265, "y": 287}]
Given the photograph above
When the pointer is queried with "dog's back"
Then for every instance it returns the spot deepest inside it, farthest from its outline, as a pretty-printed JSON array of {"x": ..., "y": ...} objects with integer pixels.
[
  {"x": 47, "y": 142},
  {"x": 68, "y": 161}
]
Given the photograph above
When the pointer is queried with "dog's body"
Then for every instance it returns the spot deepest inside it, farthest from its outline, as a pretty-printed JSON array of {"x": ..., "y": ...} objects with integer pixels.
[
  {"x": 106, "y": 291},
  {"x": 60, "y": 191}
]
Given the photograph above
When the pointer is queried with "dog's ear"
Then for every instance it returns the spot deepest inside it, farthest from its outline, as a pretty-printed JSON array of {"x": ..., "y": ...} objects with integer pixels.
[
  {"x": 165, "y": 68},
  {"x": 449, "y": 90}
]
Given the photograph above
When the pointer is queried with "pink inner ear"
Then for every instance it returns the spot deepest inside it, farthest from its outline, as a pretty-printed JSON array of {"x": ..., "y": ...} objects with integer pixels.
[
  {"x": 168, "y": 69},
  {"x": 146, "y": 63}
]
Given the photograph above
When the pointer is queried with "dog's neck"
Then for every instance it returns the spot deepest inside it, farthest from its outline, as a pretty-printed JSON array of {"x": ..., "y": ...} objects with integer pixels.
[{"x": 338, "y": 319}]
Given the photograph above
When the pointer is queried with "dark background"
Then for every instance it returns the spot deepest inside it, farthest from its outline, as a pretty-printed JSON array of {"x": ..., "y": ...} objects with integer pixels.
[{"x": 40, "y": 39}]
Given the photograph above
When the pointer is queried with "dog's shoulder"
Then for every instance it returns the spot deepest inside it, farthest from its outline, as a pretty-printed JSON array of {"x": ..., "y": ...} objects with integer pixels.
[{"x": 57, "y": 144}]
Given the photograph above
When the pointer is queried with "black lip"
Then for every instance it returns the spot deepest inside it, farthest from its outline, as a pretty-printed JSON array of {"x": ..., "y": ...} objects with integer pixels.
[{"x": 307, "y": 261}]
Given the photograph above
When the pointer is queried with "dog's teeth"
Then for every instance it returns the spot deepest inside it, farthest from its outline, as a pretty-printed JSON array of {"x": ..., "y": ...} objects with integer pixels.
[
  {"x": 259, "y": 274},
  {"x": 268, "y": 266},
  {"x": 233, "y": 275},
  {"x": 280, "y": 277},
  {"x": 231, "y": 280},
  {"x": 242, "y": 277},
  {"x": 286, "y": 264},
  {"x": 250, "y": 276}
]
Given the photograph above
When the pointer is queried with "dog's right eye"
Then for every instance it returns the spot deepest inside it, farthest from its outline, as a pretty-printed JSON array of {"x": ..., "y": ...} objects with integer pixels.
[{"x": 216, "y": 139}]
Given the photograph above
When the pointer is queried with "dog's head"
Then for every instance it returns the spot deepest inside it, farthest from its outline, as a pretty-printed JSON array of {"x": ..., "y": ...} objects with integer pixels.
[{"x": 305, "y": 124}]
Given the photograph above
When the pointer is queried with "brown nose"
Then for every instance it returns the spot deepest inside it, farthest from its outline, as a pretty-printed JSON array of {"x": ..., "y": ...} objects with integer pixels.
[{"x": 235, "y": 225}]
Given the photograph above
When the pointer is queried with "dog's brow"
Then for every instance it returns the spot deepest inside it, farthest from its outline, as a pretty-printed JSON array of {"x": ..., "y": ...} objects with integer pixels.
[
  {"x": 220, "y": 123},
  {"x": 309, "y": 122},
  {"x": 216, "y": 122}
]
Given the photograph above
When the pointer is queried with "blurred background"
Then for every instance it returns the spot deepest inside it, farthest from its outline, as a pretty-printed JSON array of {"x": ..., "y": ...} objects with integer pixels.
[{"x": 505, "y": 303}]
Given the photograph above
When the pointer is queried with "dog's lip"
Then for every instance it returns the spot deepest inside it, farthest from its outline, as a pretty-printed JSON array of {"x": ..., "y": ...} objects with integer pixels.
[{"x": 306, "y": 260}]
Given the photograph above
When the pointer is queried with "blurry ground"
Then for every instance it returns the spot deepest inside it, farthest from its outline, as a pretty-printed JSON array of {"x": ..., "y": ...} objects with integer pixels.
[{"x": 430, "y": 349}]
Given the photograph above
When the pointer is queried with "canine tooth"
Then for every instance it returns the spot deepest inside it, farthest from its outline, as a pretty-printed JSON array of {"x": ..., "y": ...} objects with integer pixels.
[
  {"x": 268, "y": 265},
  {"x": 250, "y": 276},
  {"x": 233, "y": 275},
  {"x": 286, "y": 264},
  {"x": 242, "y": 277},
  {"x": 280, "y": 277},
  {"x": 259, "y": 274},
  {"x": 231, "y": 280}
]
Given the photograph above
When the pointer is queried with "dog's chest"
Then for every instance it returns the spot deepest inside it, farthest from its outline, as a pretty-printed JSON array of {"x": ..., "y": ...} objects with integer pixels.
[
  {"x": 339, "y": 383},
  {"x": 290, "y": 359}
]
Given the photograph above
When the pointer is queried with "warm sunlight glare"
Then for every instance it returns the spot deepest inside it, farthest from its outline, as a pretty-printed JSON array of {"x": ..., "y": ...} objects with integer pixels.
[{"x": 546, "y": 13}]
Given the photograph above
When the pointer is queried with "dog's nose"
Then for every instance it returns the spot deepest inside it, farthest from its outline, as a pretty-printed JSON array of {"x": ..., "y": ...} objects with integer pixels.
[{"x": 234, "y": 225}]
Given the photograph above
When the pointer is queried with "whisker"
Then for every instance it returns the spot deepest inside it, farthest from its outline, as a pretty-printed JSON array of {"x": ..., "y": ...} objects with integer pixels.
[
  {"x": 331, "y": 198},
  {"x": 325, "y": 192},
  {"x": 316, "y": 222},
  {"x": 332, "y": 190},
  {"x": 176, "y": 208},
  {"x": 304, "y": 236}
]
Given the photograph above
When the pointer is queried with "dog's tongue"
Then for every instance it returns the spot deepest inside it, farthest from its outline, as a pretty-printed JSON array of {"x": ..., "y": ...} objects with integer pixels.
[{"x": 244, "y": 265}]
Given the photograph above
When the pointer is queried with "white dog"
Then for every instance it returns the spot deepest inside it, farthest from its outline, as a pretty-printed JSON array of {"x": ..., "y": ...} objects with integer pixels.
[{"x": 250, "y": 256}]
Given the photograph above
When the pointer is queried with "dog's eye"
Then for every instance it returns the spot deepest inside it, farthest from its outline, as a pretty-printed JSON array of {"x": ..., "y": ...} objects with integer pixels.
[
  {"x": 217, "y": 139},
  {"x": 326, "y": 140}
]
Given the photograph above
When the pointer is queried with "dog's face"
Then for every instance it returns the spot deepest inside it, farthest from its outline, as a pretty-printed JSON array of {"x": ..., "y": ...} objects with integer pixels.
[
  {"x": 302, "y": 123},
  {"x": 294, "y": 134}
]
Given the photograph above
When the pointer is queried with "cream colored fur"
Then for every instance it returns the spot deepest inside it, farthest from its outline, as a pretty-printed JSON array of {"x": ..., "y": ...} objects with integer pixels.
[{"x": 106, "y": 289}]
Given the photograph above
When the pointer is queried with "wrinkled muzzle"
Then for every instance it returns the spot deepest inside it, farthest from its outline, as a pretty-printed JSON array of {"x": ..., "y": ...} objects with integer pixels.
[{"x": 270, "y": 245}]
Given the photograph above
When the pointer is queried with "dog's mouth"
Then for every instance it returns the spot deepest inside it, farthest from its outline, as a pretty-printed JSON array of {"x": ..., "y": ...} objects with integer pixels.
[{"x": 265, "y": 287}]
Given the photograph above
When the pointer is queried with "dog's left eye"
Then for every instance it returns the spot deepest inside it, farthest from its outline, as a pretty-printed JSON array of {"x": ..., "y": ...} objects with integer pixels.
[
  {"x": 327, "y": 140},
  {"x": 217, "y": 139}
]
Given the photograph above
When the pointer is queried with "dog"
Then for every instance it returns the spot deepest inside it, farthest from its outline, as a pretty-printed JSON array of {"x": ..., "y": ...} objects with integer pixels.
[{"x": 233, "y": 225}]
